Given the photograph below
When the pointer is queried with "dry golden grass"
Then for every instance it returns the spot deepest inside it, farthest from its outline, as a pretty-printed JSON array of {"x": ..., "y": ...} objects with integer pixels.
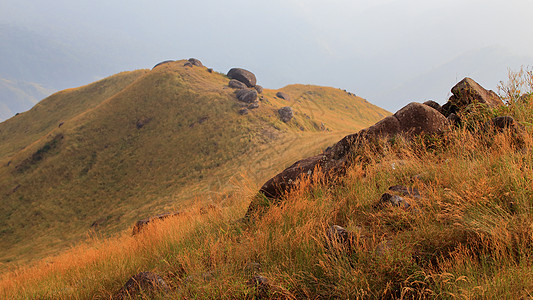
[
  {"x": 101, "y": 168},
  {"x": 469, "y": 236}
]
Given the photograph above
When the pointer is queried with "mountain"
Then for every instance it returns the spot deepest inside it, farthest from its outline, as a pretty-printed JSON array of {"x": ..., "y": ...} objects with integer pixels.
[{"x": 99, "y": 157}]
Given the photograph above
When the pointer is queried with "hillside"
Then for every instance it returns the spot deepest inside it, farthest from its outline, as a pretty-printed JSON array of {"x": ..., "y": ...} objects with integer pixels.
[
  {"x": 97, "y": 158},
  {"x": 442, "y": 212}
]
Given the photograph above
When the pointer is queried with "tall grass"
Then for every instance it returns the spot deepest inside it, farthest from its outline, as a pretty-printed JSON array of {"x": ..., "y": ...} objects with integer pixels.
[{"x": 470, "y": 235}]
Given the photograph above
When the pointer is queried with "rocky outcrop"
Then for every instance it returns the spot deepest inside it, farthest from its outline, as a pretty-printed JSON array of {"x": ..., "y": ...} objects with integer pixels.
[
  {"x": 468, "y": 92},
  {"x": 141, "y": 224},
  {"x": 283, "y": 96},
  {"x": 286, "y": 114},
  {"x": 196, "y": 62},
  {"x": 259, "y": 89},
  {"x": 142, "y": 284},
  {"x": 413, "y": 119},
  {"x": 235, "y": 84},
  {"x": 246, "y": 95},
  {"x": 243, "y": 76}
]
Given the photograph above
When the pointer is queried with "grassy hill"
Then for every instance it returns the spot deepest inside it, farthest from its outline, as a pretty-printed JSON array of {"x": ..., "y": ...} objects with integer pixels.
[
  {"x": 97, "y": 158},
  {"x": 468, "y": 235}
]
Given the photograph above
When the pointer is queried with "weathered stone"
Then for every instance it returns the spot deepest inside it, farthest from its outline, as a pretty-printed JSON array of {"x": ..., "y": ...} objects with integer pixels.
[
  {"x": 405, "y": 191},
  {"x": 162, "y": 63},
  {"x": 188, "y": 64},
  {"x": 286, "y": 114},
  {"x": 141, "y": 224},
  {"x": 283, "y": 95},
  {"x": 416, "y": 118},
  {"x": 254, "y": 105},
  {"x": 195, "y": 62},
  {"x": 454, "y": 119},
  {"x": 338, "y": 234},
  {"x": 276, "y": 186},
  {"x": 210, "y": 70},
  {"x": 468, "y": 92},
  {"x": 142, "y": 284},
  {"x": 413, "y": 119},
  {"x": 243, "y": 111},
  {"x": 246, "y": 95},
  {"x": 259, "y": 89},
  {"x": 243, "y": 76},
  {"x": 434, "y": 105},
  {"x": 393, "y": 200},
  {"x": 235, "y": 84}
]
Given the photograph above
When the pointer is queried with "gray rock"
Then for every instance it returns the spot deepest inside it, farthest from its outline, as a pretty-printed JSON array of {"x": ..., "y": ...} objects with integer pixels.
[
  {"x": 243, "y": 111},
  {"x": 434, "y": 105},
  {"x": 286, "y": 114},
  {"x": 405, "y": 191},
  {"x": 243, "y": 76},
  {"x": 246, "y": 95},
  {"x": 188, "y": 64},
  {"x": 254, "y": 105},
  {"x": 468, "y": 92},
  {"x": 338, "y": 234},
  {"x": 283, "y": 95},
  {"x": 195, "y": 62},
  {"x": 454, "y": 119},
  {"x": 235, "y": 84},
  {"x": 259, "y": 89},
  {"x": 393, "y": 200},
  {"x": 142, "y": 284}
]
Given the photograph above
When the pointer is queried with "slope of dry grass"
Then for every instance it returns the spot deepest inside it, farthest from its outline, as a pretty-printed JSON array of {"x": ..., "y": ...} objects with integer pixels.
[
  {"x": 470, "y": 235},
  {"x": 142, "y": 143}
]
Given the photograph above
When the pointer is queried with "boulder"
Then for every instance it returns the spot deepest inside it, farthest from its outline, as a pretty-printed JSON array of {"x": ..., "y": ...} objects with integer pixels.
[
  {"x": 141, "y": 224},
  {"x": 235, "y": 84},
  {"x": 259, "y": 89},
  {"x": 246, "y": 95},
  {"x": 243, "y": 76},
  {"x": 416, "y": 118},
  {"x": 162, "y": 63},
  {"x": 187, "y": 64},
  {"x": 394, "y": 200},
  {"x": 286, "y": 114},
  {"x": 413, "y": 119},
  {"x": 142, "y": 284},
  {"x": 338, "y": 234},
  {"x": 283, "y": 96},
  {"x": 277, "y": 185},
  {"x": 243, "y": 111},
  {"x": 433, "y": 105},
  {"x": 405, "y": 191},
  {"x": 468, "y": 92},
  {"x": 195, "y": 62},
  {"x": 254, "y": 105}
]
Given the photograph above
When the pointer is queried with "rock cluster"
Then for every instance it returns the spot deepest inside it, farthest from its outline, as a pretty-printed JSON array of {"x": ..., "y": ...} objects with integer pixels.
[
  {"x": 286, "y": 114},
  {"x": 412, "y": 120},
  {"x": 243, "y": 76},
  {"x": 142, "y": 284}
]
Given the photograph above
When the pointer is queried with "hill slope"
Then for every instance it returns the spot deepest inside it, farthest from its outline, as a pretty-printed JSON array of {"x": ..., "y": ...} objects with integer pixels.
[
  {"x": 459, "y": 227},
  {"x": 139, "y": 143}
]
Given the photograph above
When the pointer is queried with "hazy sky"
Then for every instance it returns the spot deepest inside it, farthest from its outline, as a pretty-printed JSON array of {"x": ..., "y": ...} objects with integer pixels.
[{"x": 368, "y": 47}]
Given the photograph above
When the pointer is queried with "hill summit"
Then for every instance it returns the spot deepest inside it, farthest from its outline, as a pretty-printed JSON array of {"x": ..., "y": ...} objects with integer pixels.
[{"x": 95, "y": 159}]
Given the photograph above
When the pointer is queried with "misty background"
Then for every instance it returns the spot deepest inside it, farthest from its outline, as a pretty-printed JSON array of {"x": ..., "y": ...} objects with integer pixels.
[{"x": 390, "y": 52}]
